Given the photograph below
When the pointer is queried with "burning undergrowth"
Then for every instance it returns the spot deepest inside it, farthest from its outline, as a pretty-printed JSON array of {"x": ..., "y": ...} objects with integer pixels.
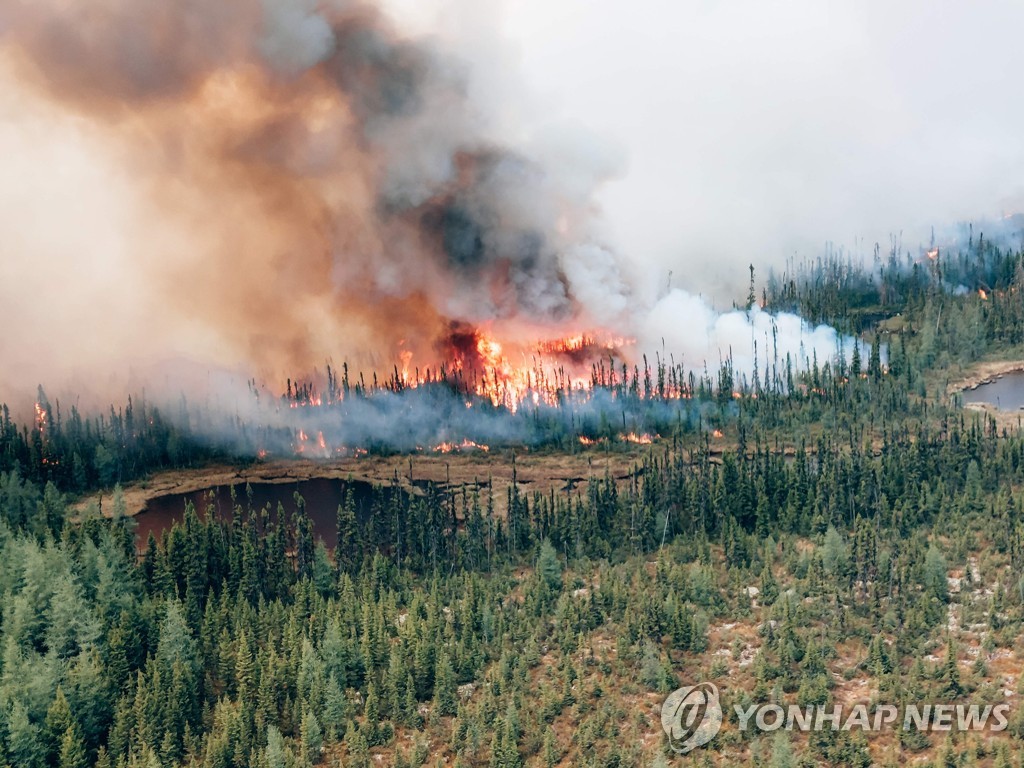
[
  {"x": 318, "y": 184},
  {"x": 441, "y": 417},
  {"x": 573, "y": 391}
]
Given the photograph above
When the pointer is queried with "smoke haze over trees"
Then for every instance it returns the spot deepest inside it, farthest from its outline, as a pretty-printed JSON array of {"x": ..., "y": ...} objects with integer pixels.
[{"x": 288, "y": 184}]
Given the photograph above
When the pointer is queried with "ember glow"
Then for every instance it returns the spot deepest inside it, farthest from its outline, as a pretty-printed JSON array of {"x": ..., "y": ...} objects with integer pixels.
[{"x": 465, "y": 445}]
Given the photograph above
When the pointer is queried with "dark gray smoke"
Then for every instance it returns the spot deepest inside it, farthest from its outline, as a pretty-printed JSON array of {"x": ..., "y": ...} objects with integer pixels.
[
  {"x": 310, "y": 184},
  {"x": 269, "y": 185}
]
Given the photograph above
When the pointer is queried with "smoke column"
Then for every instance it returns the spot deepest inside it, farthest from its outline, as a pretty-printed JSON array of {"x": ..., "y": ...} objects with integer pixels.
[{"x": 268, "y": 184}]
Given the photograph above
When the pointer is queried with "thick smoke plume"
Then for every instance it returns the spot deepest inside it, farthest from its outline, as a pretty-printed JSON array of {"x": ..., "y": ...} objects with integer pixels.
[
  {"x": 331, "y": 180},
  {"x": 271, "y": 184}
]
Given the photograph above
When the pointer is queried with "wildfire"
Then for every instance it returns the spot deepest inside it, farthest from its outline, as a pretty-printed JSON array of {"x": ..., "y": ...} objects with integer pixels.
[
  {"x": 406, "y": 357},
  {"x": 575, "y": 343},
  {"x": 983, "y": 294},
  {"x": 933, "y": 254},
  {"x": 501, "y": 382},
  {"x": 633, "y": 437},
  {"x": 509, "y": 374},
  {"x": 344, "y": 450},
  {"x": 465, "y": 445},
  {"x": 484, "y": 368},
  {"x": 718, "y": 433},
  {"x": 490, "y": 351},
  {"x": 317, "y": 447}
]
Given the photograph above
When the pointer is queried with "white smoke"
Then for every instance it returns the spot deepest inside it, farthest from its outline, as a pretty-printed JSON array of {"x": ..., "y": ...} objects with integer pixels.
[
  {"x": 688, "y": 327},
  {"x": 596, "y": 281}
]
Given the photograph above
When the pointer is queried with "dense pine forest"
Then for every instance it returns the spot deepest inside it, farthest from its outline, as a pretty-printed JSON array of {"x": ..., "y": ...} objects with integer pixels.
[{"x": 860, "y": 538}]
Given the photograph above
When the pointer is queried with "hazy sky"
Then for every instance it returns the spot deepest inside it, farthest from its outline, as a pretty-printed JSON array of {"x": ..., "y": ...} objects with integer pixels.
[{"x": 751, "y": 130}]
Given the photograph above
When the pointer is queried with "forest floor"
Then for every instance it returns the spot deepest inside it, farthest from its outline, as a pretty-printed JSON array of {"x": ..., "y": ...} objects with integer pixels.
[{"x": 541, "y": 471}]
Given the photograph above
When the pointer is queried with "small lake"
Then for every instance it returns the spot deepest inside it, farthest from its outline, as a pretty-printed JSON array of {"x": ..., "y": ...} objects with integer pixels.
[
  {"x": 1006, "y": 393},
  {"x": 322, "y": 497}
]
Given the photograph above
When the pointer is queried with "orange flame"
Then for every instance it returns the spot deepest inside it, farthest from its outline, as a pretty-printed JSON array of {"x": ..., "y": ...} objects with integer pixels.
[
  {"x": 406, "y": 357},
  {"x": 506, "y": 383},
  {"x": 41, "y": 419},
  {"x": 465, "y": 445}
]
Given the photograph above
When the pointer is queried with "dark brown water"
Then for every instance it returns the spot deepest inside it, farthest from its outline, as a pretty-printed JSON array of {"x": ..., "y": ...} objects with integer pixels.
[
  {"x": 1006, "y": 393},
  {"x": 322, "y": 498}
]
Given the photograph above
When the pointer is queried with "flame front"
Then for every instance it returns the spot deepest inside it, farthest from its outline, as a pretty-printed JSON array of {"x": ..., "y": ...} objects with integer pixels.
[
  {"x": 465, "y": 445},
  {"x": 491, "y": 370},
  {"x": 509, "y": 373}
]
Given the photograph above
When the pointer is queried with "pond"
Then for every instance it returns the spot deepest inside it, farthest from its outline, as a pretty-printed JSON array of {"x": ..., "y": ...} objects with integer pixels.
[
  {"x": 1005, "y": 393},
  {"x": 322, "y": 497}
]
